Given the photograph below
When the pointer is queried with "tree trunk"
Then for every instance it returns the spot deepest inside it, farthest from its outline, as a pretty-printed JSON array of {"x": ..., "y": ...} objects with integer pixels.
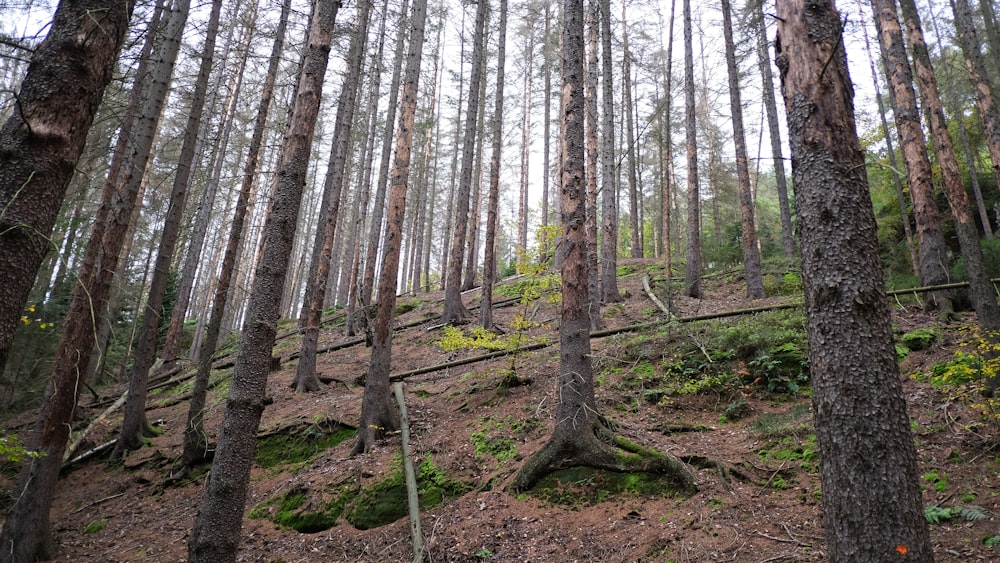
[
  {"x": 546, "y": 120},
  {"x": 449, "y": 219},
  {"x": 751, "y": 252},
  {"x": 668, "y": 149},
  {"x": 306, "y": 379},
  {"x": 454, "y": 309},
  {"x": 630, "y": 142},
  {"x": 930, "y": 241},
  {"x": 590, "y": 134},
  {"x": 522, "y": 208},
  {"x": 983, "y": 295},
  {"x": 378, "y": 416},
  {"x": 134, "y": 423},
  {"x": 195, "y": 439},
  {"x": 490, "y": 253},
  {"x": 216, "y": 532},
  {"x": 692, "y": 271},
  {"x": 472, "y": 250},
  {"x": 40, "y": 145},
  {"x": 609, "y": 189},
  {"x": 871, "y": 495}
]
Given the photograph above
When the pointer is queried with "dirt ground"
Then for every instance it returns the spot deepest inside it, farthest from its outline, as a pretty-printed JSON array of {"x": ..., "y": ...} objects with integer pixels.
[{"x": 762, "y": 509}]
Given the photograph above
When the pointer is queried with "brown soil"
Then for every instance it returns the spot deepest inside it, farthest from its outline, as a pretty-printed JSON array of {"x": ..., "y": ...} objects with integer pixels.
[{"x": 744, "y": 516}]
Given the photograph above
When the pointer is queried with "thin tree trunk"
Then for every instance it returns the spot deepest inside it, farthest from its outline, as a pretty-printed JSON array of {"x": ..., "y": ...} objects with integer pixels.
[
  {"x": 490, "y": 257},
  {"x": 692, "y": 271},
  {"x": 751, "y": 252},
  {"x": 475, "y": 207},
  {"x": 590, "y": 133},
  {"x": 216, "y": 534},
  {"x": 378, "y": 416},
  {"x": 668, "y": 149},
  {"x": 546, "y": 121},
  {"x": 872, "y": 508},
  {"x": 522, "y": 209},
  {"x": 630, "y": 142},
  {"x": 609, "y": 188}
]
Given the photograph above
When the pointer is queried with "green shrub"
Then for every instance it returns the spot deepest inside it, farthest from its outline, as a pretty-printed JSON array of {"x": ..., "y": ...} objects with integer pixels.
[{"x": 920, "y": 339}]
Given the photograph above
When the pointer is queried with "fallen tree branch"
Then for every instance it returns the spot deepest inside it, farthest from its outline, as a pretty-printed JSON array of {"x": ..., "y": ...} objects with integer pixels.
[
  {"x": 412, "y": 498},
  {"x": 75, "y": 444}
]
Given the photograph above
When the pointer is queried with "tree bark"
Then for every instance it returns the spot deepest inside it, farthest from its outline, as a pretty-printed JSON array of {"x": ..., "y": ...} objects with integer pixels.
[
  {"x": 490, "y": 253},
  {"x": 216, "y": 532},
  {"x": 871, "y": 495},
  {"x": 630, "y": 142},
  {"x": 692, "y": 270},
  {"x": 378, "y": 417},
  {"x": 609, "y": 189},
  {"x": 40, "y": 144},
  {"x": 590, "y": 133}
]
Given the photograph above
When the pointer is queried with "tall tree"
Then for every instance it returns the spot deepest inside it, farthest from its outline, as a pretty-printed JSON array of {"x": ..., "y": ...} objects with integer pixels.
[
  {"x": 751, "y": 252},
  {"x": 453, "y": 307},
  {"x": 134, "y": 424},
  {"x": 493, "y": 203},
  {"x": 195, "y": 440},
  {"x": 41, "y": 142},
  {"x": 930, "y": 240},
  {"x": 547, "y": 48},
  {"x": 378, "y": 415},
  {"x": 590, "y": 132},
  {"x": 40, "y": 145},
  {"x": 216, "y": 532},
  {"x": 305, "y": 373},
  {"x": 667, "y": 150},
  {"x": 868, "y": 465},
  {"x": 522, "y": 209},
  {"x": 630, "y": 142},
  {"x": 609, "y": 188},
  {"x": 773, "y": 131},
  {"x": 692, "y": 270},
  {"x": 983, "y": 295}
]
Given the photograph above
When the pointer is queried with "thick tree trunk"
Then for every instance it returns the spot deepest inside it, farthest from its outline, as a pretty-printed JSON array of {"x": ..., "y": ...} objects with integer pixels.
[
  {"x": 134, "y": 423},
  {"x": 378, "y": 416},
  {"x": 983, "y": 295},
  {"x": 454, "y": 309},
  {"x": 305, "y": 374},
  {"x": 751, "y": 252},
  {"x": 195, "y": 439},
  {"x": 490, "y": 253},
  {"x": 609, "y": 188},
  {"x": 40, "y": 145},
  {"x": 871, "y": 495},
  {"x": 932, "y": 252},
  {"x": 216, "y": 533},
  {"x": 692, "y": 270}
]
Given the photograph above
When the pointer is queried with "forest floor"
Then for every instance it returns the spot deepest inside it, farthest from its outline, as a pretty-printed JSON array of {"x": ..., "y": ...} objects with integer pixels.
[{"x": 758, "y": 497}]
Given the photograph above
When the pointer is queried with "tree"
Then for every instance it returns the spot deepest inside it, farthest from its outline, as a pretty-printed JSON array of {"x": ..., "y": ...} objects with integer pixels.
[
  {"x": 590, "y": 132},
  {"x": 216, "y": 532},
  {"x": 609, "y": 189},
  {"x": 751, "y": 252},
  {"x": 692, "y": 271},
  {"x": 41, "y": 142},
  {"x": 490, "y": 258},
  {"x": 630, "y": 142},
  {"x": 378, "y": 415},
  {"x": 40, "y": 145},
  {"x": 931, "y": 250},
  {"x": 868, "y": 466},
  {"x": 453, "y": 307},
  {"x": 134, "y": 424},
  {"x": 195, "y": 439},
  {"x": 983, "y": 295},
  {"x": 575, "y": 440}
]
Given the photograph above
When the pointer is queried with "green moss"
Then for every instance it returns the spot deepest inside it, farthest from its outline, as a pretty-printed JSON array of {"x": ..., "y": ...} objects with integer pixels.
[
  {"x": 588, "y": 486},
  {"x": 95, "y": 526},
  {"x": 920, "y": 339},
  {"x": 283, "y": 449}
]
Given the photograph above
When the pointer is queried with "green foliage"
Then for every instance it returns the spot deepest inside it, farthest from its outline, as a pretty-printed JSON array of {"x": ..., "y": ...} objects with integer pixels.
[
  {"x": 13, "y": 451},
  {"x": 919, "y": 339},
  {"x": 783, "y": 370},
  {"x": 789, "y": 283},
  {"x": 971, "y": 372},
  {"x": 792, "y": 449},
  {"x": 991, "y": 259},
  {"x": 938, "y": 480},
  {"x": 901, "y": 352},
  {"x": 284, "y": 449},
  {"x": 770, "y": 425},
  {"x": 403, "y": 307},
  {"x": 938, "y": 515},
  {"x": 576, "y": 486},
  {"x": 737, "y": 409},
  {"x": 95, "y": 526},
  {"x": 495, "y": 437},
  {"x": 749, "y": 336},
  {"x": 991, "y": 541}
]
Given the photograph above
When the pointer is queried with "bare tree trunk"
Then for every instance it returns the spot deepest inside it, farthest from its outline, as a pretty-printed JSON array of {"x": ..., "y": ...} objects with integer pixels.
[
  {"x": 630, "y": 141},
  {"x": 751, "y": 252},
  {"x": 668, "y": 150},
  {"x": 195, "y": 439},
  {"x": 490, "y": 255},
  {"x": 590, "y": 133},
  {"x": 216, "y": 532},
  {"x": 378, "y": 416},
  {"x": 40, "y": 145},
  {"x": 871, "y": 496},
  {"x": 475, "y": 213},
  {"x": 692, "y": 271},
  {"x": 930, "y": 241},
  {"x": 983, "y": 295},
  {"x": 609, "y": 188},
  {"x": 134, "y": 423},
  {"x": 454, "y": 309},
  {"x": 546, "y": 119},
  {"x": 522, "y": 209},
  {"x": 306, "y": 379}
]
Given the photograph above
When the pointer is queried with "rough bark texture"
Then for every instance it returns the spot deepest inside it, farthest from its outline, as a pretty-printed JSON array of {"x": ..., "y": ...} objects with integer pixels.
[
  {"x": 522, "y": 208},
  {"x": 453, "y": 307},
  {"x": 40, "y": 145},
  {"x": 932, "y": 252},
  {"x": 609, "y": 189},
  {"x": 590, "y": 132},
  {"x": 378, "y": 416},
  {"x": 692, "y": 270},
  {"x": 490, "y": 254},
  {"x": 43, "y": 139},
  {"x": 306, "y": 378},
  {"x": 630, "y": 140},
  {"x": 871, "y": 495},
  {"x": 667, "y": 149},
  {"x": 216, "y": 534},
  {"x": 134, "y": 423},
  {"x": 983, "y": 295},
  {"x": 195, "y": 440},
  {"x": 751, "y": 252}
]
